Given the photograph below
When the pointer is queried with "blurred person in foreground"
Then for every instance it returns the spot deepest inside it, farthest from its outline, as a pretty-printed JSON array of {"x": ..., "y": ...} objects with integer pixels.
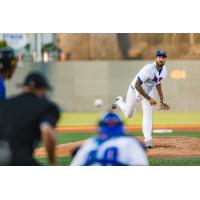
[
  {"x": 25, "y": 120},
  {"x": 8, "y": 64},
  {"x": 112, "y": 146}
]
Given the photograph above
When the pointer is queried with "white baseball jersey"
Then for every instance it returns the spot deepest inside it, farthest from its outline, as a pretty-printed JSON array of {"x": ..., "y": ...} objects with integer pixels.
[
  {"x": 150, "y": 76},
  {"x": 116, "y": 151}
]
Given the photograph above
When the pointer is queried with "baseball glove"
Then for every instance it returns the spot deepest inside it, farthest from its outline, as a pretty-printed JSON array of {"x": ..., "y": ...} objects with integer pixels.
[{"x": 164, "y": 106}]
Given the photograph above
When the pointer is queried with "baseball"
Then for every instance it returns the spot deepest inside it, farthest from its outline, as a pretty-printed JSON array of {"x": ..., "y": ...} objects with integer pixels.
[{"x": 98, "y": 103}]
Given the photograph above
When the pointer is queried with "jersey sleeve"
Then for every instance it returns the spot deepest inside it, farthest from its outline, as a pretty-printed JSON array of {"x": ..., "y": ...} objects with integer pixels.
[
  {"x": 143, "y": 73},
  {"x": 137, "y": 154},
  {"x": 79, "y": 158},
  {"x": 82, "y": 154},
  {"x": 51, "y": 115}
]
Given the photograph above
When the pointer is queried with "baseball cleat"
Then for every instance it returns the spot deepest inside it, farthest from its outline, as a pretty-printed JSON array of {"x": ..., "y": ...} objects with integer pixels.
[
  {"x": 114, "y": 105},
  {"x": 148, "y": 144}
]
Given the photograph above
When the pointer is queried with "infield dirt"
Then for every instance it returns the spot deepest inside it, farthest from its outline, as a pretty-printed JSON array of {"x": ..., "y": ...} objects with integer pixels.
[{"x": 164, "y": 147}]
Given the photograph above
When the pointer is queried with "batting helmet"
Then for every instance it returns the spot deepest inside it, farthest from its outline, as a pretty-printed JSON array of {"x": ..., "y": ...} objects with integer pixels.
[
  {"x": 8, "y": 58},
  {"x": 111, "y": 125}
]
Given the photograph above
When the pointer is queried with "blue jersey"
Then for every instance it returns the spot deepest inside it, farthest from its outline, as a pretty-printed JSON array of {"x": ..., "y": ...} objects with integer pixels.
[
  {"x": 2, "y": 89},
  {"x": 116, "y": 151}
]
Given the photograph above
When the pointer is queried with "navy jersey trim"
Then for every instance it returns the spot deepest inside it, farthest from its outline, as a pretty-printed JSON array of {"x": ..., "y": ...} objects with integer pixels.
[
  {"x": 159, "y": 71},
  {"x": 140, "y": 79},
  {"x": 132, "y": 87}
]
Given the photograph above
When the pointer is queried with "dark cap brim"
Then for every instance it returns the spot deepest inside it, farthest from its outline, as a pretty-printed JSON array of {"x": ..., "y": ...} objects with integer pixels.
[
  {"x": 48, "y": 87},
  {"x": 161, "y": 55}
]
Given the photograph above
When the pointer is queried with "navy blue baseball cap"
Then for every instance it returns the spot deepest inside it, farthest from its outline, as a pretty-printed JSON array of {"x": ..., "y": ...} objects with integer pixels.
[{"x": 161, "y": 53}]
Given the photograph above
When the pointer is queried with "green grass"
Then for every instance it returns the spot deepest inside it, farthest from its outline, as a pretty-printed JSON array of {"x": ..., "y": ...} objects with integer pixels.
[
  {"x": 171, "y": 118},
  {"x": 186, "y": 134},
  {"x": 175, "y": 162},
  {"x": 61, "y": 161},
  {"x": 65, "y": 161},
  {"x": 72, "y": 137},
  {"x": 63, "y": 138}
]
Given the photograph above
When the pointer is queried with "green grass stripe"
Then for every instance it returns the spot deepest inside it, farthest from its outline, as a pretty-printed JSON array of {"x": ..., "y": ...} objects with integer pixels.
[
  {"x": 65, "y": 161},
  {"x": 185, "y": 134},
  {"x": 159, "y": 118},
  {"x": 175, "y": 162},
  {"x": 63, "y": 138},
  {"x": 61, "y": 161},
  {"x": 72, "y": 137}
]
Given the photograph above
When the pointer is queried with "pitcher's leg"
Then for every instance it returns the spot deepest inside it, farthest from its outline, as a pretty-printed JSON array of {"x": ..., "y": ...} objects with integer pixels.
[
  {"x": 127, "y": 107},
  {"x": 130, "y": 102},
  {"x": 147, "y": 120}
]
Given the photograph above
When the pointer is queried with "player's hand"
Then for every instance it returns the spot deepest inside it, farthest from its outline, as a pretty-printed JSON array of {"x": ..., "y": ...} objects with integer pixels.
[{"x": 152, "y": 102}]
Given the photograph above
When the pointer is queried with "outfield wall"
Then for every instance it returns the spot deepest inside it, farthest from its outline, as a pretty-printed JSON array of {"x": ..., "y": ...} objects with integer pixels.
[{"x": 78, "y": 83}]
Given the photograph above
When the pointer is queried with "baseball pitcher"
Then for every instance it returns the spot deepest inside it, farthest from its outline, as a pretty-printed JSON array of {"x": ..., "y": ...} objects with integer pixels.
[{"x": 141, "y": 90}]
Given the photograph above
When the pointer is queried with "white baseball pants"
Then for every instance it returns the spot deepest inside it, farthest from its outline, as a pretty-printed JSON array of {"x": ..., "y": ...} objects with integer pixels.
[{"x": 128, "y": 108}]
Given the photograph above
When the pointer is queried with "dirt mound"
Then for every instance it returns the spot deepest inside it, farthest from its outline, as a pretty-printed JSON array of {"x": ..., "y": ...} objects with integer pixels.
[
  {"x": 175, "y": 147},
  {"x": 61, "y": 150},
  {"x": 163, "y": 147}
]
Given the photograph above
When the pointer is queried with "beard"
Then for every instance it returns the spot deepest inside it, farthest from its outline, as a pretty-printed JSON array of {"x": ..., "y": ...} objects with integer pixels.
[{"x": 160, "y": 64}]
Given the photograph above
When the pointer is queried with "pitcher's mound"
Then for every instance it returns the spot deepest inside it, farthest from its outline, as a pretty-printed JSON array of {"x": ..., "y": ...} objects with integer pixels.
[{"x": 163, "y": 147}]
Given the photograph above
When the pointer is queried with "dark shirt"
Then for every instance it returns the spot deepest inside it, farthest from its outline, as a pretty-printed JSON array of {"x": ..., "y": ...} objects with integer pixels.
[{"x": 20, "y": 119}]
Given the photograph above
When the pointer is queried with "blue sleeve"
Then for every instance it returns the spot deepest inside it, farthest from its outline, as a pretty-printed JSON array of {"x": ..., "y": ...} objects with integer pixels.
[{"x": 2, "y": 90}]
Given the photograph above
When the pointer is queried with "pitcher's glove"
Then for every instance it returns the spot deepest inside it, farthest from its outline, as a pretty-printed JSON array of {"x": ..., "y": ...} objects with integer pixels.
[{"x": 164, "y": 105}]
